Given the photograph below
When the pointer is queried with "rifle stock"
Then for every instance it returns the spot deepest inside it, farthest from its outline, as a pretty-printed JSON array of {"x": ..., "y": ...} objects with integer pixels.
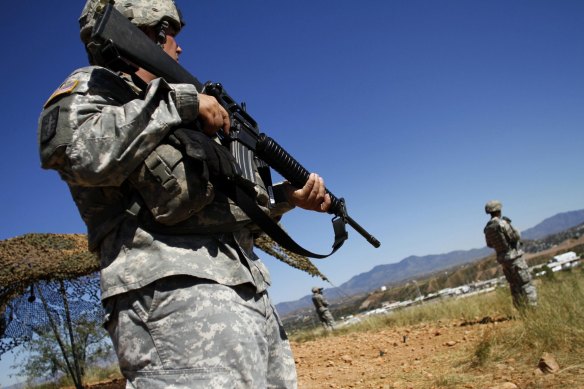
[{"x": 119, "y": 45}]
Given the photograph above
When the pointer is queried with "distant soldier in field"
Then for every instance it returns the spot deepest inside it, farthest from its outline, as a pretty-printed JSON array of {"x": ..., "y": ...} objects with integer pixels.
[
  {"x": 506, "y": 241},
  {"x": 321, "y": 305}
]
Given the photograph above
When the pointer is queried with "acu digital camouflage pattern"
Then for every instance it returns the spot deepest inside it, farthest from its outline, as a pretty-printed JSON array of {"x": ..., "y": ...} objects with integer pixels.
[
  {"x": 140, "y": 12},
  {"x": 501, "y": 236},
  {"x": 35, "y": 259},
  {"x": 97, "y": 130},
  {"x": 520, "y": 281},
  {"x": 321, "y": 305},
  {"x": 493, "y": 206},
  {"x": 200, "y": 334},
  {"x": 103, "y": 131}
]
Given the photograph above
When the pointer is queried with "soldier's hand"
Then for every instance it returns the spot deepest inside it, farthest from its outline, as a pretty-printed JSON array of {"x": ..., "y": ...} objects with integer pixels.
[
  {"x": 311, "y": 196},
  {"x": 212, "y": 115}
]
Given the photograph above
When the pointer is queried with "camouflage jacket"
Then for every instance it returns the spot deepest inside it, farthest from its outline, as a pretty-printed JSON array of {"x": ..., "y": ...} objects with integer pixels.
[
  {"x": 319, "y": 302},
  {"x": 501, "y": 236},
  {"x": 97, "y": 129}
]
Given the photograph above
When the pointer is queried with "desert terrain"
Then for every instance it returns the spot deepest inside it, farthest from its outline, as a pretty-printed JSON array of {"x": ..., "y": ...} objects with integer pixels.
[{"x": 438, "y": 355}]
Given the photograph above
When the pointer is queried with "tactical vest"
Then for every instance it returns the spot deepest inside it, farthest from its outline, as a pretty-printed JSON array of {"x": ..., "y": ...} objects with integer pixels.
[
  {"x": 178, "y": 200},
  {"x": 166, "y": 192},
  {"x": 496, "y": 238},
  {"x": 505, "y": 239}
]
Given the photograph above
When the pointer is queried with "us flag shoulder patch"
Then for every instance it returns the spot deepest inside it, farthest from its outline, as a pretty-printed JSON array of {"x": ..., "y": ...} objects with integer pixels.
[{"x": 67, "y": 87}]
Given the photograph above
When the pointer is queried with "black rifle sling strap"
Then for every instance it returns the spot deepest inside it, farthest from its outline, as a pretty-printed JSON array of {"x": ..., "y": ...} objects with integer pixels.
[
  {"x": 225, "y": 174},
  {"x": 248, "y": 204}
]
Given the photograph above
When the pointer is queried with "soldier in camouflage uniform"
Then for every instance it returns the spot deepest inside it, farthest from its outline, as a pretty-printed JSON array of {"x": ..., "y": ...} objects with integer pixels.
[
  {"x": 185, "y": 296},
  {"x": 321, "y": 305},
  {"x": 506, "y": 241}
]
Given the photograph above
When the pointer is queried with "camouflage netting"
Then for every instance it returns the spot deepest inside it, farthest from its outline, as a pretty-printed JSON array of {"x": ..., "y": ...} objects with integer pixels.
[
  {"x": 28, "y": 259},
  {"x": 30, "y": 262},
  {"x": 48, "y": 306},
  {"x": 266, "y": 244},
  {"x": 36, "y": 265}
]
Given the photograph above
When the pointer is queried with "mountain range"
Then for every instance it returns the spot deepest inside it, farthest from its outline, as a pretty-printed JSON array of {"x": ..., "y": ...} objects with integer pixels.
[{"x": 417, "y": 266}]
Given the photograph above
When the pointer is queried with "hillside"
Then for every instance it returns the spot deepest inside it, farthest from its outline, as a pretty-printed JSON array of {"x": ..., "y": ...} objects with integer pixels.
[
  {"x": 420, "y": 266},
  {"x": 554, "y": 224}
]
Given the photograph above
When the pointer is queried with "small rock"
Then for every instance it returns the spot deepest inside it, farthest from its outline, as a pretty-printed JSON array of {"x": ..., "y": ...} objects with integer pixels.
[
  {"x": 451, "y": 343},
  {"x": 347, "y": 359},
  {"x": 537, "y": 372},
  {"x": 506, "y": 385},
  {"x": 547, "y": 364}
]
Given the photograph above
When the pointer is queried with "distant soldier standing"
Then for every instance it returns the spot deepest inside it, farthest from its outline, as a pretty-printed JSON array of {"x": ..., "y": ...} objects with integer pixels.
[
  {"x": 505, "y": 240},
  {"x": 321, "y": 305}
]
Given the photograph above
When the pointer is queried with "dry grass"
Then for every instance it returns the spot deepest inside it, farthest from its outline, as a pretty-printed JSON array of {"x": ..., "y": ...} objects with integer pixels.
[
  {"x": 556, "y": 325},
  {"x": 465, "y": 309}
]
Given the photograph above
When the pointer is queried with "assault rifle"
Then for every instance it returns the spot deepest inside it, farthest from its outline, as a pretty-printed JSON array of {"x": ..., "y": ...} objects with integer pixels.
[{"x": 120, "y": 46}]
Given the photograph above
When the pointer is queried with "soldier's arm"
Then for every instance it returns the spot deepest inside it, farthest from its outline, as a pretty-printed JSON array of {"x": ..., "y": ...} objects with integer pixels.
[
  {"x": 487, "y": 237},
  {"x": 510, "y": 232},
  {"x": 107, "y": 140}
]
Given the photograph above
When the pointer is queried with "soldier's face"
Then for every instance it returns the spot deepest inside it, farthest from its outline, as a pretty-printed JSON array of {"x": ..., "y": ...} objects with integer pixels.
[{"x": 171, "y": 46}]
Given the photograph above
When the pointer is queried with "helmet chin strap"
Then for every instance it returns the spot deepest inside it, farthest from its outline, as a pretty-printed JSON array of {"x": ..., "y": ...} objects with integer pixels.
[{"x": 161, "y": 34}]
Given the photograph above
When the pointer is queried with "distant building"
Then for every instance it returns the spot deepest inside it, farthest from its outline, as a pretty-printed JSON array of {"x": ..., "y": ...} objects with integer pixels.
[
  {"x": 569, "y": 256},
  {"x": 564, "y": 261}
]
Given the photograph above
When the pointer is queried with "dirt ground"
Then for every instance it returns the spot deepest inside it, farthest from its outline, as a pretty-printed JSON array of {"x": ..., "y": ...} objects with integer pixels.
[
  {"x": 418, "y": 357},
  {"x": 423, "y": 356}
]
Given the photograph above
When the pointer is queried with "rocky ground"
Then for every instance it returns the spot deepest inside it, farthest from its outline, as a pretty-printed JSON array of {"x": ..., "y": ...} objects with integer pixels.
[{"x": 424, "y": 356}]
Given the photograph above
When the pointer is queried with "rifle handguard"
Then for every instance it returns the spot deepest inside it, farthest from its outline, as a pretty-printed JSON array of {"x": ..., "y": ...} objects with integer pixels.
[{"x": 280, "y": 160}]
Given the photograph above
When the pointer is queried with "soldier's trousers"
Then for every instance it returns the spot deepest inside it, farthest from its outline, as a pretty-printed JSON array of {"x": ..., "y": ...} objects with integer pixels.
[
  {"x": 522, "y": 289},
  {"x": 327, "y": 320},
  {"x": 184, "y": 332}
]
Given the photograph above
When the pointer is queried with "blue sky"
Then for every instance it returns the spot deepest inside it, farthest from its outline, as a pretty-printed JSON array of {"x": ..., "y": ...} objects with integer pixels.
[{"x": 416, "y": 112}]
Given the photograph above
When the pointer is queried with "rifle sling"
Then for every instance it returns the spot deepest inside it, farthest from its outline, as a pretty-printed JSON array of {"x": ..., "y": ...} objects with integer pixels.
[{"x": 248, "y": 204}]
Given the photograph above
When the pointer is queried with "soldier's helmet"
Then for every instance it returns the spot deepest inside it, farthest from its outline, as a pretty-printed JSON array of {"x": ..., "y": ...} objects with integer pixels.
[
  {"x": 316, "y": 289},
  {"x": 493, "y": 206},
  {"x": 142, "y": 13}
]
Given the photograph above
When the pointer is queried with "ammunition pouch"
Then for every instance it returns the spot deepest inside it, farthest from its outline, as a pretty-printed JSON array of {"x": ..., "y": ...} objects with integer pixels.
[
  {"x": 176, "y": 187},
  {"x": 172, "y": 188}
]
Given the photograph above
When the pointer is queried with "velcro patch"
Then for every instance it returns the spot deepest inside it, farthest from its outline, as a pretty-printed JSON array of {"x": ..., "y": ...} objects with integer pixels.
[
  {"x": 49, "y": 125},
  {"x": 67, "y": 87}
]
